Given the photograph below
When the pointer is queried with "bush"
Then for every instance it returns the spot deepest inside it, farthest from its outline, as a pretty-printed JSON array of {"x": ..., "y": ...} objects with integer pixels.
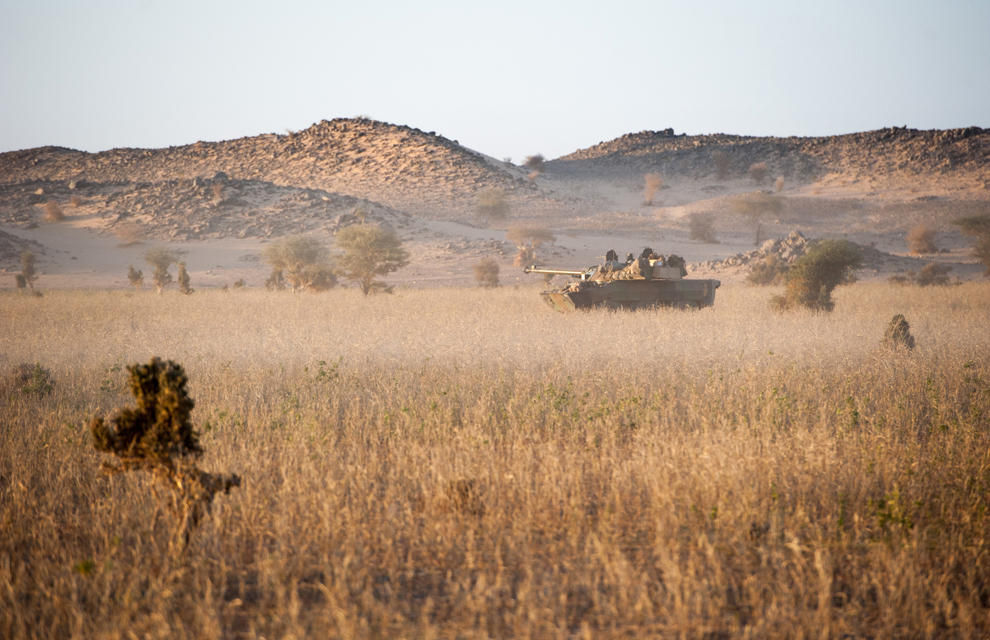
[
  {"x": 978, "y": 226},
  {"x": 135, "y": 277},
  {"x": 778, "y": 184},
  {"x": 921, "y": 239},
  {"x": 768, "y": 271},
  {"x": 758, "y": 172},
  {"x": 535, "y": 163},
  {"x": 486, "y": 272},
  {"x": 652, "y": 182},
  {"x": 369, "y": 251},
  {"x": 933, "y": 274},
  {"x": 898, "y": 334},
  {"x": 529, "y": 236},
  {"x": 28, "y": 273},
  {"x": 492, "y": 205},
  {"x": 157, "y": 436},
  {"x": 29, "y": 379},
  {"x": 53, "y": 212},
  {"x": 161, "y": 259},
  {"x": 701, "y": 227},
  {"x": 813, "y": 277},
  {"x": 302, "y": 262},
  {"x": 183, "y": 279}
]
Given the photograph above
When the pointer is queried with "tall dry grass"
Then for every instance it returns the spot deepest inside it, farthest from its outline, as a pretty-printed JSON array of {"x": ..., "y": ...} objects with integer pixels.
[{"x": 466, "y": 463}]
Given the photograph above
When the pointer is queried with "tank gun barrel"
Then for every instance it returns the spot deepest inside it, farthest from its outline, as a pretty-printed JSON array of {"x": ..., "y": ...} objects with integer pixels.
[{"x": 578, "y": 273}]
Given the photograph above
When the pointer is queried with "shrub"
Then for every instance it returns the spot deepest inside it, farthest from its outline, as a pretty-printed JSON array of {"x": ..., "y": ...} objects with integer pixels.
[
  {"x": 535, "y": 163},
  {"x": 652, "y": 182},
  {"x": 921, "y": 239},
  {"x": 813, "y": 277},
  {"x": 898, "y": 334},
  {"x": 529, "y": 236},
  {"x": 135, "y": 277},
  {"x": 369, "y": 251},
  {"x": 770, "y": 270},
  {"x": 183, "y": 279},
  {"x": 239, "y": 283},
  {"x": 525, "y": 257},
  {"x": 778, "y": 184},
  {"x": 486, "y": 272},
  {"x": 30, "y": 379},
  {"x": 701, "y": 227},
  {"x": 28, "y": 272},
  {"x": 53, "y": 212},
  {"x": 75, "y": 201},
  {"x": 302, "y": 262},
  {"x": 161, "y": 259},
  {"x": 492, "y": 205},
  {"x": 754, "y": 207},
  {"x": 978, "y": 226},
  {"x": 157, "y": 436},
  {"x": 758, "y": 172},
  {"x": 933, "y": 274}
]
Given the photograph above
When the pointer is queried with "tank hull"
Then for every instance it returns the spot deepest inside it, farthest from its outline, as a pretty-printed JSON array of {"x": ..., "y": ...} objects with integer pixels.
[{"x": 634, "y": 294}]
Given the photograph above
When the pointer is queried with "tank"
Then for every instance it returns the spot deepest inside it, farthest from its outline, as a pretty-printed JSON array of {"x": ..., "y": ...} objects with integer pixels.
[{"x": 650, "y": 281}]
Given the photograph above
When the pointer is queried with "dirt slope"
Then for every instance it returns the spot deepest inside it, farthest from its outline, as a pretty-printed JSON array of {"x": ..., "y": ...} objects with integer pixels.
[{"x": 398, "y": 166}]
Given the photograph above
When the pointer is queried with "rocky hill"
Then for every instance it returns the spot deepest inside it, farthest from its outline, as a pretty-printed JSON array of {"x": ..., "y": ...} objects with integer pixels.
[
  {"x": 398, "y": 166},
  {"x": 958, "y": 157}
]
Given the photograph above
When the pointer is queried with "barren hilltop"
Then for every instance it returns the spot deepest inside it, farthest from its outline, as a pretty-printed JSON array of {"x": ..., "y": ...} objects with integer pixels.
[{"x": 639, "y": 189}]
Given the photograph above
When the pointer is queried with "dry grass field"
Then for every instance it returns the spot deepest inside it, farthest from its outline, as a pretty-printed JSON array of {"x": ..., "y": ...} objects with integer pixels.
[{"x": 467, "y": 463}]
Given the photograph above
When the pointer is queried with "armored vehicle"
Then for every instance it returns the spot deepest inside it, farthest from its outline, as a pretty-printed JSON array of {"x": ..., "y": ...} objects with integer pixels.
[{"x": 652, "y": 280}]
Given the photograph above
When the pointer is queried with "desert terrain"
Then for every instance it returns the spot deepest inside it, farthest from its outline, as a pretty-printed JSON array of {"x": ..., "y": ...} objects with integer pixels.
[
  {"x": 219, "y": 203},
  {"x": 452, "y": 461}
]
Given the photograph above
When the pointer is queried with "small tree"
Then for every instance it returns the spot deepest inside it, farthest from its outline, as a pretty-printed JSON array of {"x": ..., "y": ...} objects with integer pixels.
[
  {"x": 652, "y": 182},
  {"x": 486, "y": 272},
  {"x": 978, "y": 226},
  {"x": 898, "y": 334},
  {"x": 369, "y": 251},
  {"x": 701, "y": 227},
  {"x": 183, "y": 279},
  {"x": 161, "y": 259},
  {"x": 28, "y": 272},
  {"x": 157, "y": 436},
  {"x": 135, "y": 277},
  {"x": 758, "y": 172},
  {"x": 754, "y": 207},
  {"x": 933, "y": 274},
  {"x": 813, "y": 276},
  {"x": 492, "y": 205},
  {"x": 53, "y": 212},
  {"x": 921, "y": 239},
  {"x": 302, "y": 262}
]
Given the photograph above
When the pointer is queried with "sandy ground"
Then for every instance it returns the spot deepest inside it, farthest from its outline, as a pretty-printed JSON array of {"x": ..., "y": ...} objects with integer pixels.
[{"x": 80, "y": 253}]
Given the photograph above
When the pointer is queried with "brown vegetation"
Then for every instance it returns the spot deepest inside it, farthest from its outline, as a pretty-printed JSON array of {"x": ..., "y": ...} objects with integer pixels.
[
  {"x": 515, "y": 473},
  {"x": 53, "y": 212},
  {"x": 978, "y": 226},
  {"x": 492, "y": 205},
  {"x": 486, "y": 272},
  {"x": 701, "y": 227},
  {"x": 758, "y": 172},
  {"x": 652, "y": 182},
  {"x": 813, "y": 276},
  {"x": 921, "y": 239}
]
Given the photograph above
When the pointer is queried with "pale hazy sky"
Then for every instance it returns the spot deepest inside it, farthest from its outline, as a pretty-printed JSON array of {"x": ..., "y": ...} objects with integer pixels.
[{"x": 504, "y": 77}]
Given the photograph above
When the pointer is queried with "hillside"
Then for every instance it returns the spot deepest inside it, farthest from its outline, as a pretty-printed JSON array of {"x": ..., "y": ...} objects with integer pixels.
[
  {"x": 940, "y": 160},
  {"x": 398, "y": 166}
]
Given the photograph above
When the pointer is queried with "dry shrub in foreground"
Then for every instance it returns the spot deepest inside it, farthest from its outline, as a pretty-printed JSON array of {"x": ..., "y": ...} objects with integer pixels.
[
  {"x": 921, "y": 239},
  {"x": 157, "y": 436},
  {"x": 898, "y": 334},
  {"x": 813, "y": 276},
  {"x": 486, "y": 272}
]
